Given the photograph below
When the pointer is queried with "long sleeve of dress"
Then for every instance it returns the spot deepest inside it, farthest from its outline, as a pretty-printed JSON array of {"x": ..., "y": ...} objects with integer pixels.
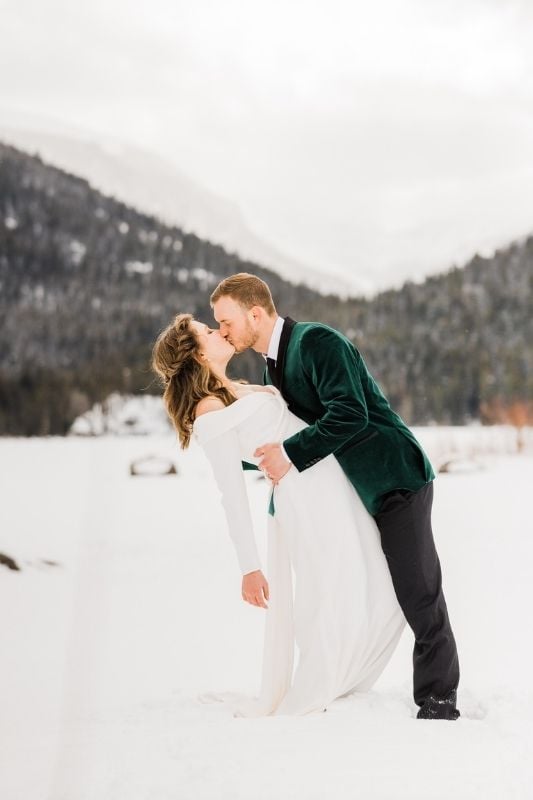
[{"x": 224, "y": 456}]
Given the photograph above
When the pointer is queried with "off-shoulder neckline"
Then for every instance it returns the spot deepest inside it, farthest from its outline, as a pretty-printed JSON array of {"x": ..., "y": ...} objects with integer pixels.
[{"x": 259, "y": 392}]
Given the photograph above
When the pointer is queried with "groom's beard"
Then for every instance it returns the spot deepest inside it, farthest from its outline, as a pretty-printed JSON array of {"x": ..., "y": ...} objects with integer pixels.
[{"x": 247, "y": 340}]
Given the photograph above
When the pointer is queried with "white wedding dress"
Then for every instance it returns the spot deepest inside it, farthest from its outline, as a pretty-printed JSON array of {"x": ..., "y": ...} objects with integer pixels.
[{"x": 331, "y": 593}]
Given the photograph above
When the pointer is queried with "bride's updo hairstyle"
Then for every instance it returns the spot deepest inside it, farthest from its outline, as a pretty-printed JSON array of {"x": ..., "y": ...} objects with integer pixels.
[{"x": 186, "y": 378}]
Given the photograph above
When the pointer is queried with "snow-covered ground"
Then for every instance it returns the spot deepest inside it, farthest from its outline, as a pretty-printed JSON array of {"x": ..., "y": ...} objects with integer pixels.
[
  {"x": 123, "y": 414},
  {"x": 105, "y": 650}
]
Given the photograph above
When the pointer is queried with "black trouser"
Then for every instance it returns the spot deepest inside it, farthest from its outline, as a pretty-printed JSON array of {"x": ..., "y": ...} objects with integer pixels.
[{"x": 404, "y": 522}]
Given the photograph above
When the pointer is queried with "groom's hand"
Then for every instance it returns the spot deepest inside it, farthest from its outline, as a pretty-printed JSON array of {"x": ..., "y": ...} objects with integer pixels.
[
  {"x": 274, "y": 464},
  {"x": 255, "y": 588}
]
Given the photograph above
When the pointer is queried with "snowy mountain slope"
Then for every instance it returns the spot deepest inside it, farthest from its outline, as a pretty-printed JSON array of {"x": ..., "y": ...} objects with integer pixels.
[{"x": 154, "y": 185}]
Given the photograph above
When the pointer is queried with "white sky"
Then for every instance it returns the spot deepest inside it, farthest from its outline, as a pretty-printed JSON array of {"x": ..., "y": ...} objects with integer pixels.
[{"x": 382, "y": 140}]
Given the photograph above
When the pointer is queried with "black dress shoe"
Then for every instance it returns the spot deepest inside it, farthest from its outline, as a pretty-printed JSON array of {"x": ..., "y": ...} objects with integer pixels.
[{"x": 434, "y": 708}]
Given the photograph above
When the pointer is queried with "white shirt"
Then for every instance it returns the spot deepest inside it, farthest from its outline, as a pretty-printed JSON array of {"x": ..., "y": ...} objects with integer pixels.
[
  {"x": 273, "y": 349},
  {"x": 273, "y": 345}
]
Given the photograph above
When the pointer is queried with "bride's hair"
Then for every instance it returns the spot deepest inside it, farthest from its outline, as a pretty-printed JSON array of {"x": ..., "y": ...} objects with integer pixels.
[{"x": 176, "y": 359}]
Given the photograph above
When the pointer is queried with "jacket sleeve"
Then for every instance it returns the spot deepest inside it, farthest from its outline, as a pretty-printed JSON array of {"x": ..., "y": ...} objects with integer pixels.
[
  {"x": 223, "y": 454},
  {"x": 332, "y": 364}
]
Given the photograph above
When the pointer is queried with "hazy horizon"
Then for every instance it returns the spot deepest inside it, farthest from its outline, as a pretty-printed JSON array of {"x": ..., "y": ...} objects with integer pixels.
[{"x": 379, "y": 142}]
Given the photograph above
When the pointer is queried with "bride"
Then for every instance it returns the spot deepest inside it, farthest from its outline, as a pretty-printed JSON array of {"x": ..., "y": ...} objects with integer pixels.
[{"x": 329, "y": 592}]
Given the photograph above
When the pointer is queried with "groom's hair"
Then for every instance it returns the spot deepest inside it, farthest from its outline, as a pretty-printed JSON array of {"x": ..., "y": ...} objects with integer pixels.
[{"x": 248, "y": 290}]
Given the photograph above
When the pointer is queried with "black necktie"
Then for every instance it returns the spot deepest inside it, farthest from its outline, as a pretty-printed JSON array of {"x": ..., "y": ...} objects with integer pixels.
[{"x": 272, "y": 371}]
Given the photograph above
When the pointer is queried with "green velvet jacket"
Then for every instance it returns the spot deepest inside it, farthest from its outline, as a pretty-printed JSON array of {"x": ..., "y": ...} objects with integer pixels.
[{"x": 325, "y": 382}]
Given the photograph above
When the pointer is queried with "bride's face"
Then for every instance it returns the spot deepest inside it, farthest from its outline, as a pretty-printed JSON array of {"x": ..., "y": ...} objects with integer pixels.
[{"x": 213, "y": 346}]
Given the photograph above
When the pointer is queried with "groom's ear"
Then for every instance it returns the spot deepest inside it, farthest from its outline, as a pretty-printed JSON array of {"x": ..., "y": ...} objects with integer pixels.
[{"x": 257, "y": 313}]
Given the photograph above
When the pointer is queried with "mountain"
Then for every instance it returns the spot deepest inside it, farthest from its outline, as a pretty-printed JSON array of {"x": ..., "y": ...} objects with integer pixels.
[
  {"x": 87, "y": 282},
  {"x": 155, "y": 186}
]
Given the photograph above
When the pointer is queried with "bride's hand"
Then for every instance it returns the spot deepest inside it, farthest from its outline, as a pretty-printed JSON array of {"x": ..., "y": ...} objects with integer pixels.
[{"x": 255, "y": 588}]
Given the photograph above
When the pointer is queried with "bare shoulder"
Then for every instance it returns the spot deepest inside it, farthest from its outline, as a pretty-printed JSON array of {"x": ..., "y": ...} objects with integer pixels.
[{"x": 209, "y": 403}]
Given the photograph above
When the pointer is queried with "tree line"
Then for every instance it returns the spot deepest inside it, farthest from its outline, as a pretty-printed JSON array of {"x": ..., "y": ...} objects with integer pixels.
[{"x": 86, "y": 284}]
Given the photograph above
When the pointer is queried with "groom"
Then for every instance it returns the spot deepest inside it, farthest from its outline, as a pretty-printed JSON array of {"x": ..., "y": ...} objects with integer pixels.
[{"x": 325, "y": 382}]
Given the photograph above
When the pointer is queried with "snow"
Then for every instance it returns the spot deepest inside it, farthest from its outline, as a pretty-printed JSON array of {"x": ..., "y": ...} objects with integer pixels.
[
  {"x": 77, "y": 252},
  {"x": 11, "y": 222},
  {"x": 105, "y": 654},
  {"x": 142, "y": 267},
  {"x": 123, "y": 414},
  {"x": 447, "y": 446},
  {"x": 152, "y": 184}
]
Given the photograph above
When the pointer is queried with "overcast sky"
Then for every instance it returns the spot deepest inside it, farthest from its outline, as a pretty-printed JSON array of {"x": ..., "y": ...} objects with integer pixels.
[{"x": 383, "y": 140}]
